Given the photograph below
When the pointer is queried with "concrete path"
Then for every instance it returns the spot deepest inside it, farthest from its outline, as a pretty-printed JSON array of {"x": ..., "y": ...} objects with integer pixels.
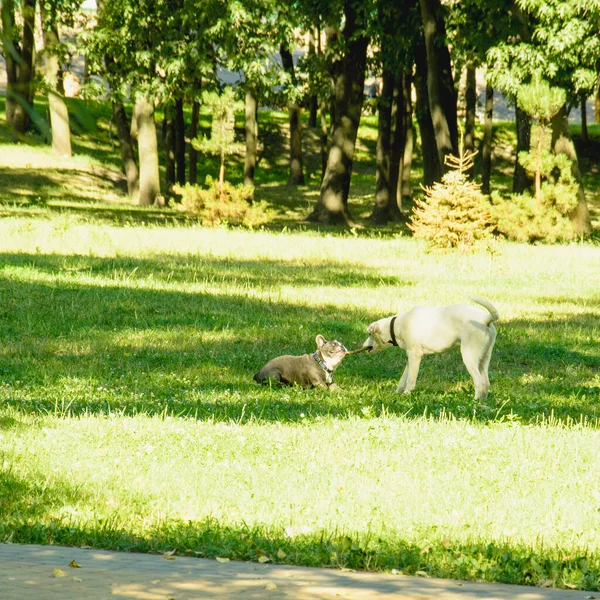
[{"x": 49, "y": 573}]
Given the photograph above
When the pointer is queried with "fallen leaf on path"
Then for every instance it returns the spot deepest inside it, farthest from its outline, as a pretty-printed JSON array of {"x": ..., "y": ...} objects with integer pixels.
[
  {"x": 76, "y": 579},
  {"x": 222, "y": 559},
  {"x": 74, "y": 565},
  {"x": 263, "y": 559},
  {"x": 58, "y": 573}
]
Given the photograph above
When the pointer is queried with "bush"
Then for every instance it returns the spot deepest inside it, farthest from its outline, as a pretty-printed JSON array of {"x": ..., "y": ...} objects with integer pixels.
[
  {"x": 229, "y": 205},
  {"x": 545, "y": 217},
  {"x": 455, "y": 213}
]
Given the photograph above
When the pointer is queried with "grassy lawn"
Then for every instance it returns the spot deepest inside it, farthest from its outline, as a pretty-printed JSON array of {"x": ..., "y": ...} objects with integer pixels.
[{"x": 129, "y": 418}]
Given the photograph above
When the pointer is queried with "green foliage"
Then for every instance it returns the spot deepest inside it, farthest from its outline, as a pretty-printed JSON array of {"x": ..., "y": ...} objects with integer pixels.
[
  {"x": 539, "y": 100},
  {"x": 222, "y": 134},
  {"x": 544, "y": 217},
  {"x": 521, "y": 218},
  {"x": 226, "y": 205},
  {"x": 455, "y": 213}
]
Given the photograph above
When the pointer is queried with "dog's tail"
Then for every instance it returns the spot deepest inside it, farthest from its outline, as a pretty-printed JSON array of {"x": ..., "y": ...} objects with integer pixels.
[{"x": 489, "y": 306}]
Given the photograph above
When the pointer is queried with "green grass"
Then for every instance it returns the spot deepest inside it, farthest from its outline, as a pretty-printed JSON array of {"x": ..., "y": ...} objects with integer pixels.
[{"x": 129, "y": 418}]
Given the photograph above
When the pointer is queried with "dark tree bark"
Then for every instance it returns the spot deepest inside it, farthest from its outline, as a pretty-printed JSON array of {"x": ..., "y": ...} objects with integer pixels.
[
  {"x": 521, "y": 181},
  {"x": 404, "y": 193},
  {"x": 193, "y": 167},
  {"x": 349, "y": 92},
  {"x": 127, "y": 149},
  {"x": 313, "y": 100},
  {"x": 470, "y": 108},
  {"x": 11, "y": 55},
  {"x": 584, "y": 128},
  {"x": 486, "y": 145},
  {"x": 179, "y": 129},
  {"x": 169, "y": 135},
  {"x": 440, "y": 85},
  {"x": 431, "y": 167},
  {"x": 563, "y": 144},
  {"x": 383, "y": 185},
  {"x": 148, "y": 152},
  {"x": 23, "y": 89},
  {"x": 296, "y": 170},
  {"x": 59, "y": 115},
  {"x": 251, "y": 135},
  {"x": 324, "y": 137},
  {"x": 398, "y": 144}
]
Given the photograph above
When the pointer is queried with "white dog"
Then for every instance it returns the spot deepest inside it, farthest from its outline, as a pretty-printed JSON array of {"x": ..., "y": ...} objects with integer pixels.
[{"x": 427, "y": 330}]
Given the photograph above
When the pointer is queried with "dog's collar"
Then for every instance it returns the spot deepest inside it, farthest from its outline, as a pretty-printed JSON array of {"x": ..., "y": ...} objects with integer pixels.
[
  {"x": 393, "y": 341},
  {"x": 328, "y": 371}
]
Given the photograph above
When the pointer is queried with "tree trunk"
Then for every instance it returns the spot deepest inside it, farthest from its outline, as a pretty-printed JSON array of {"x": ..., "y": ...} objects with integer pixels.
[
  {"x": 296, "y": 170},
  {"x": 383, "y": 193},
  {"x": 193, "y": 167},
  {"x": 404, "y": 193},
  {"x": 470, "y": 109},
  {"x": 398, "y": 144},
  {"x": 9, "y": 41},
  {"x": 313, "y": 100},
  {"x": 563, "y": 144},
  {"x": 179, "y": 127},
  {"x": 59, "y": 115},
  {"x": 584, "y": 128},
  {"x": 251, "y": 135},
  {"x": 324, "y": 138},
  {"x": 349, "y": 92},
  {"x": 23, "y": 88},
  {"x": 597, "y": 102},
  {"x": 431, "y": 167},
  {"x": 148, "y": 152},
  {"x": 127, "y": 150},
  {"x": 521, "y": 181},
  {"x": 486, "y": 145},
  {"x": 169, "y": 146},
  {"x": 440, "y": 86}
]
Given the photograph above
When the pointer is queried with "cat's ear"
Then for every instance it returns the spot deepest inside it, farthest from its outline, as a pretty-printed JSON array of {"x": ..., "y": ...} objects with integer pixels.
[{"x": 320, "y": 340}]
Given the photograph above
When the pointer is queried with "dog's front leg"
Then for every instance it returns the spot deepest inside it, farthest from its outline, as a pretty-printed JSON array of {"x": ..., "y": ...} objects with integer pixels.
[
  {"x": 402, "y": 383},
  {"x": 410, "y": 373}
]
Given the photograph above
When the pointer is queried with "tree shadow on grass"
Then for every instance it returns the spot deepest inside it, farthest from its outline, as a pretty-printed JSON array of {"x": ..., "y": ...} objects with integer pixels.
[{"x": 123, "y": 344}]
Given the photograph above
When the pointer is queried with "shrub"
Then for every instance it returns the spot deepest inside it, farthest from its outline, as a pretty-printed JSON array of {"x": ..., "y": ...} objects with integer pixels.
[
  {"x": 454, "y": 213},
  {"x": 544, "y": 216},
  {"x": 226, "y": 205}
]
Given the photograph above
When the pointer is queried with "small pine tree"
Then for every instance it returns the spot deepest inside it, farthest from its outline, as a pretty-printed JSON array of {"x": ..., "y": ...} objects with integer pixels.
[
  {"x": 222, "y": 135},
  {"x": 454, "y": 213},
  {"x": 545, "y": 216}
]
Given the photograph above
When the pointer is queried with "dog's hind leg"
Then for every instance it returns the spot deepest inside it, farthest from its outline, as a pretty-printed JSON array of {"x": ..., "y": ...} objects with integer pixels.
[
  {"x": 484, "y": 362},
  {"x": 471, "y": 357}
]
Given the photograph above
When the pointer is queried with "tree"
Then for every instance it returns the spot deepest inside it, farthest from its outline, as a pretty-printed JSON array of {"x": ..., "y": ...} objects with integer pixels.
[
  {"x": 221, "y": 142},
  {"x": 440, "y": 85},
  {"x": 394, "y": 36},
  {"x": 563, "y": 46},
  {"x": 349, "y": 78},
  {"x": 59, "y": 115},
  {"x": 296, "y": 169},
  {"x": 18, "y": 52}
]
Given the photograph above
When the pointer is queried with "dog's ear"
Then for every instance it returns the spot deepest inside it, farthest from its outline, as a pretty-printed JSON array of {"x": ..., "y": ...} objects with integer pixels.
[
  {"x": 373, "y": 327},
  {"x": 320, "y": 340}
]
